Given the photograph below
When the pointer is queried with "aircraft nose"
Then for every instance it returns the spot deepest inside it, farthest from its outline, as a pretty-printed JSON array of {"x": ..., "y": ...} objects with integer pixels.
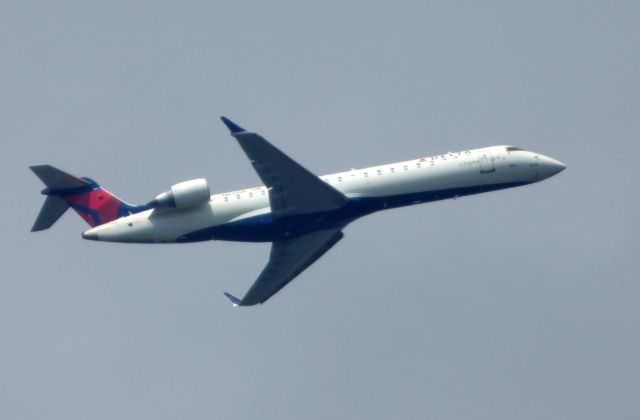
[
  {"x": 550, "y": 167},
  {"x": 555, "y": 166},
  {"x": 91, "y": 235}
]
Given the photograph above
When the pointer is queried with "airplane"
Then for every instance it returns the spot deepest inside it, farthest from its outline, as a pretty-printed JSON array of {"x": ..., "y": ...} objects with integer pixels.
[{"x": 301, "y": 214}]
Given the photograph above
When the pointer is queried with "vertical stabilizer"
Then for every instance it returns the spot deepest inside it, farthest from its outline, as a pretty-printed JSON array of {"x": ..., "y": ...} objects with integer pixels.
[
  {"x": 93, "y": 203},
  {"x": 54, "y": 207}
]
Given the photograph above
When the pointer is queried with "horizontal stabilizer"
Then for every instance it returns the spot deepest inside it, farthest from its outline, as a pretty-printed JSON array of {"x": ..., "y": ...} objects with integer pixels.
[
  {"x": 54, "y": 206},
  {"x": 56, "y": 179}
]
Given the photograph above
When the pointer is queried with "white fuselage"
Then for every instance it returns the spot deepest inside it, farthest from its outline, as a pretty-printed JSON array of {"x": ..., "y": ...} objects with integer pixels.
[{"x": 378, "y": 187}]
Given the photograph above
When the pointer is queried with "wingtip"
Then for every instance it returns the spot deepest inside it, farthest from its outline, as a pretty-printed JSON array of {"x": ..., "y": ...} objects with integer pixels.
[
  {"x": 233, "y": 127},
  {"x": 234, "y": 300}
]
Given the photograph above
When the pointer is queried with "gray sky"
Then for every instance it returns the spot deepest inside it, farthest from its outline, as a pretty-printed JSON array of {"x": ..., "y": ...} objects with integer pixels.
[{"x": 517, "y": 304}]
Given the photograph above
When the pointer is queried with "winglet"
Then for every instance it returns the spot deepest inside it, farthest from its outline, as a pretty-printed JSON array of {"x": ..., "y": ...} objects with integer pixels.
[
  {"x": 234, "y": 300},
  {"x": 233, "y": 127}
]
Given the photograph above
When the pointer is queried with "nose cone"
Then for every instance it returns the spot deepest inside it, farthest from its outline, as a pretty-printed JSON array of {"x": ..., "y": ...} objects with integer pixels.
[
  {"x": 91, "y": 235},
  {"x": 555, "y": 166},
  {"x": 550, "y": 167}
]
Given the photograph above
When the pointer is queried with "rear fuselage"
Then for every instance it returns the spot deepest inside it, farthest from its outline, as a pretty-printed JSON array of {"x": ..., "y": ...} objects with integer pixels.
[{"x": 245, "y": 215}]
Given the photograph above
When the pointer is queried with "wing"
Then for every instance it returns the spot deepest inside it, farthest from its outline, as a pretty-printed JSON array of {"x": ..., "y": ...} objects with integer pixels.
[
  {"x": 288, "y": 259},
  {"x": 293, "y": 189}
]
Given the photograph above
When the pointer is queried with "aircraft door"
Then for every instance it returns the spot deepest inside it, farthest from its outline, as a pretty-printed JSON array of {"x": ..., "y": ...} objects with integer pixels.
[{"x": 486, "y": 161}]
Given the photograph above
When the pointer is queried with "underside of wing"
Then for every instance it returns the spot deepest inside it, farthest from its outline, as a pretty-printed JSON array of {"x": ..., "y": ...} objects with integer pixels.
[
  {"x": 293, "y": 189},
  {"x": 288, "y": 259}
]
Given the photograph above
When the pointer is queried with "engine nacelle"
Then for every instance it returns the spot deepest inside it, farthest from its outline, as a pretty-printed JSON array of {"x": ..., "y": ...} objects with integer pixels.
[{"x": 184, "y": 194}]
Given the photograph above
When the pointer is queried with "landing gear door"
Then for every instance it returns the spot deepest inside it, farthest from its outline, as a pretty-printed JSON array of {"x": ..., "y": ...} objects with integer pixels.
[{"x": 486, "y": 161}]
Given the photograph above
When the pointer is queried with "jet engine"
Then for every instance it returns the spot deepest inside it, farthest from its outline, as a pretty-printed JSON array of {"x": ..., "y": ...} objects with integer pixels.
[{"x": 184, "y": 194}]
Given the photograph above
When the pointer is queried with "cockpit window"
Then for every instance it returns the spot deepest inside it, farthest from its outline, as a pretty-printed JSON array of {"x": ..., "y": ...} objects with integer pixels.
[{"x": 513, "y": 149}]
